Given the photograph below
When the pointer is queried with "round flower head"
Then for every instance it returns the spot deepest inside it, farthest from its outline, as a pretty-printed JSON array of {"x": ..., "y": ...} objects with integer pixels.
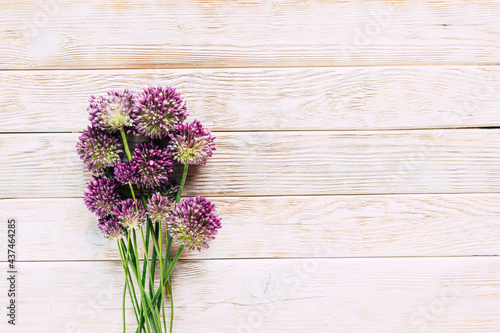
[
  {"x": 194, "y": 223},
  {"x": 158, "y": 110},
  {"x": 112, "y": 112},
  {"x": 98, "y": 149},
  {"x": 101, "y": 196},
  {"x": 191, "y": 143},
  {"x": 130, "y": 216},
  {"x": 111, "y": 227},
  {"x": 125, "y": 173},
  {"x": 153, "y": 165},
  {"x": 158, "y": 208}
]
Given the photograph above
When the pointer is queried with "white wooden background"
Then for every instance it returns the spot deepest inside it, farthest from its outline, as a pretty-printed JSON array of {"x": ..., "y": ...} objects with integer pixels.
[{"x": 357, "y": 171}]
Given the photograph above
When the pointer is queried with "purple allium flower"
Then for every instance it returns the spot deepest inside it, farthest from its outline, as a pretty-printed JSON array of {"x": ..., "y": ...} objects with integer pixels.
[
  {"x": 112, "y": 112},
  {"x": 194, "y": 223},
  {"x": 191, "y": 143},
  {"x": 98, "y": 149},
  {"x": 157, "y": 110},
  {"x": 153, "y": 165},
  {"x": 130, "y": 215},
  {"x": 101, "y": 196},
  {"x": 111, "y": 227},
  {"x": 159, "y": 208},
  {"x": 125, "y": 173}
]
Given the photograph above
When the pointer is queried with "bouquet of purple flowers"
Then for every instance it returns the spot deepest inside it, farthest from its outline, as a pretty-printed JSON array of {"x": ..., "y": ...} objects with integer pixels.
[{"x": 134, "y": 195}]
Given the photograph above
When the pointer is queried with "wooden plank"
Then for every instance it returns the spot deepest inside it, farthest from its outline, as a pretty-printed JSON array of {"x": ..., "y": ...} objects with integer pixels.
[
  {"x": 277, "y": 227},
  {"x": 144, "y": 34},
  {"x": 283, "y": 163},
  {"x": 310, "y": 295},
  {"x": 268, "y": 99}
]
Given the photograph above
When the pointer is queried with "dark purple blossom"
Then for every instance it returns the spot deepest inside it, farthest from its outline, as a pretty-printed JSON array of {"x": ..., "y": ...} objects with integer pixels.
[
  {"x": 191, "y": 143},
  {"x": 112, "y": 112},
  {"x": 111, "y": 227},
  {"x": 194, "y": 223},
  {"x": 98, "y": 149},
  {"x": 159, "y": 208},
  {"x": 101, "y": 196},
  {"x": 152, "y": 164},
  {"x": 125, "y": 173},
  {"x": 158, "y": 110},
  {"x": 130, "y": 215}
]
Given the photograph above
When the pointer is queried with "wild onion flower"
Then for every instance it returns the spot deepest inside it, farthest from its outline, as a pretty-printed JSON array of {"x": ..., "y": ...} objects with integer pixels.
[
  {"x": 158, "y": 110},
  {"x": 126, "y": 195},
  {"x": 111, "y": 227},
  {"x": 112, "y": 112},
  {"x": 153, "y": 165},
  {"x": 159, "y": 208},
  {"x": 191, "y": 143},
  {"x": 194, "y": 223},
  {"x": 125, "y": 173},
  {"x": 98, "y": 149},
  {"x": 130, "y": 215},
  {"x": 101, "y": 196}
]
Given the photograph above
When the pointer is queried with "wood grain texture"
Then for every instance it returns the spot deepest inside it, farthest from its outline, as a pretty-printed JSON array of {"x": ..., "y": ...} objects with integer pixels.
[
  {"x": 353, "y": 188},
  {"x": 280, "y": 227},
  {"x": 314, "y": 295},
  {"x": 268, "y": 99},
  {"x": 283, "y": 163},
  {"x": 196, "y": 33}
]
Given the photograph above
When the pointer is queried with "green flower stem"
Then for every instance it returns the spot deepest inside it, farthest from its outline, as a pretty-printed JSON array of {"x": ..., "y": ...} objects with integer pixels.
[
  {"x": 155, "y": 233},
  {"x": 129, "y": 156},
  {"x": 140, "y": 282},
  {"x": 145, "y": 299},
  {"x": 135, "y": 303},
  {"x": 149, "y": 230},
  {"x": 155, "y": 314},
  {"x": 156, "y": 253},
  {"x": 158, "y": 228},
  {"x": 131, "y": 284},
  {"x": 146, "y": 252},
  {"x": 157, "y": 242},
  {"x": 169, "y": 282},
  {"x": 124, "y": 292},
  {"x": 125, "y": 144},
  {"x": 143, "y": 198},
  {"x": 134, "y": 268},
  {"x": 171, "y": 306},
  {"x": 167, "y": 253},
  {"x": 146, "y": 257},
  {"x": 126, "y": 265},
  {"x": 183, "y": 180},
  {"x": 133, "y": 196},
  {"x": 169, "y": 271}
]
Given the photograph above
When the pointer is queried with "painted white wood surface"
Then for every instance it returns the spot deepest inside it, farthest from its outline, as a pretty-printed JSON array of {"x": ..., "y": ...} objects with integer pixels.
[
  {"x": 284, "y": 163},
  {"x": 269, "y": 295},
  {"x": 350, "y": 98},
  {"x": 284, "y": 227},
  {"x": 355, "y": 191},
  {"x": 274, "y": 33}
]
